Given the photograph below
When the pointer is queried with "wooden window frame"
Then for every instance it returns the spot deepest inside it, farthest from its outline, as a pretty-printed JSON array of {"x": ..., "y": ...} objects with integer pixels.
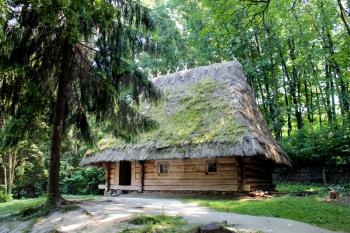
[
  {"x": 159, "y": 164},
  {"x": 207, "y": 167}
]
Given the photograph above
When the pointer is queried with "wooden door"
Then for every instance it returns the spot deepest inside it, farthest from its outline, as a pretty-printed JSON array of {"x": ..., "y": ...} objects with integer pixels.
[{"x": 124, "y": 173}]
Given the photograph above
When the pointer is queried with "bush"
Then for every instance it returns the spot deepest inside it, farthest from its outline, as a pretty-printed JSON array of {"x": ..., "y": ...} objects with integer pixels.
[
  {"x": 31, "y": 179},
  {"x": 323, "y": 146},
  {"x": 4, "y": 197},
  {"x": 83, "y": 181}
]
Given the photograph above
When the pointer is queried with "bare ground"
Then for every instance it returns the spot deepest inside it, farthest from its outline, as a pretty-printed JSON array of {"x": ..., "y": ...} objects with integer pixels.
[{"x": 110, "y": 213}]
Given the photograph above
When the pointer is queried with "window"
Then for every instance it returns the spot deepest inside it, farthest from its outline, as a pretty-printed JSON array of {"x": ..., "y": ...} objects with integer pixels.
[
  {"x": 163, "y": 168},
  {"x": 212, "y": 166}
]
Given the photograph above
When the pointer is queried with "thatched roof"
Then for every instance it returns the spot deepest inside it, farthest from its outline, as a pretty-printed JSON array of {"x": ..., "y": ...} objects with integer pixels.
[{"x": 207, "y": 111}]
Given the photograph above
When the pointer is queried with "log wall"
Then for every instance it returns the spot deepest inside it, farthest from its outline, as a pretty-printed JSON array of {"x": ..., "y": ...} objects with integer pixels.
[
  {"x": 191, "y": 175},
  {"x": 257, "y": 174}
]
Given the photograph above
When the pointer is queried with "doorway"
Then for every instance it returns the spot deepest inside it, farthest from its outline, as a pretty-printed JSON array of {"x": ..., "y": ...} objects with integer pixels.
[{"x": 124, "y": 173}]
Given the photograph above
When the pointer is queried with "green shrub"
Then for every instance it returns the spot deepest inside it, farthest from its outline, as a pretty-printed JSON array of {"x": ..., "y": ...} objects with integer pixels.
[
  {"x": 144, "y": 219},
  {"x": 83, "y": 181},
  {"x": 319, "y": 146},
  {"x": 4, "y": 197},
  {"x": 160, "y": 223}
]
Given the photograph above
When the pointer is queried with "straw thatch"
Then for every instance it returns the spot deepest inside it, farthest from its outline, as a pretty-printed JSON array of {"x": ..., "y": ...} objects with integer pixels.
[{"x": 207, "y": 111}]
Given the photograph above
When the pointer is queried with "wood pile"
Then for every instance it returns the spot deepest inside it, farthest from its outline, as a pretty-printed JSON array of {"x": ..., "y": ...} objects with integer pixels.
[
  {"x": 259, "y": 193},
  {"x": 333, "y": 194}
]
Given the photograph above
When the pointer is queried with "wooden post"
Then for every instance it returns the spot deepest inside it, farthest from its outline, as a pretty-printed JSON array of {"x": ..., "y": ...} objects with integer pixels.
[
  {"x": 108, "y": 176},
  {"x": 324, "y": 176},
  {"x": 142, "y": 163}
]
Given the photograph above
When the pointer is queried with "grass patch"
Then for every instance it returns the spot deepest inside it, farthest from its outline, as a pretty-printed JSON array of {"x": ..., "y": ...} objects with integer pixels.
[
  {"x": 296, "y": 187},
  {"x": 321, "y": 189},
  {"x": 19, "y": 205},
  {"x": 16, "y": 206},
  {"x": 37, "y": 212},
  {"x": 160, "y": 223},
  {"x": 311, "y": 209},
  {"x": 82, "y": 197}
]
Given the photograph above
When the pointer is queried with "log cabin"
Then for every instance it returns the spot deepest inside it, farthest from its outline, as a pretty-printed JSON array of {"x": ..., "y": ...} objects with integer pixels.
[{"x": 210, "y": 137}]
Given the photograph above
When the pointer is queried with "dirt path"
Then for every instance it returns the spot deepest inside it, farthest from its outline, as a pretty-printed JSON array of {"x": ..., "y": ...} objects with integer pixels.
[{"x": 107, "y": 214}]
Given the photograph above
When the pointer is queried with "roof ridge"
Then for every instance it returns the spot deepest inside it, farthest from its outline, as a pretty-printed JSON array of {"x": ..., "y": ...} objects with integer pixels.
[{"x": 193, "y": 75}]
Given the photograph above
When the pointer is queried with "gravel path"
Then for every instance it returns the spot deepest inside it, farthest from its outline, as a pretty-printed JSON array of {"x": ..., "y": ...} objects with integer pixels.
[{"x": 108, "y": 214}]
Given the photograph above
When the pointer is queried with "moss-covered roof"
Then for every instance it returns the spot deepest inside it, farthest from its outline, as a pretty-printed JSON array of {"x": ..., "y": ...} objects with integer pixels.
[
  {"x": 193, "y": 114},
  {"x": 206, "y": 112}
]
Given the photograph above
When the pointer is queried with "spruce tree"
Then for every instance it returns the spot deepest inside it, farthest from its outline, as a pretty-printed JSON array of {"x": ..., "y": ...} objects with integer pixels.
[{"x": 68, "y": 60}]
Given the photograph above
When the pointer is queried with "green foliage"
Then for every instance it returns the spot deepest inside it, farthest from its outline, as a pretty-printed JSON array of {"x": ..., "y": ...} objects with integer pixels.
[
  {"x": 319, "y": 146},
  {"x": 83, "y": 181},
  {"x": 63, "y": 63},
  {"x": 295, "y": 56},
  {"x": 31, "y": 171},
  {"x": 145, "y": 219},
  {"x": 102, "y": 63},
  {"x": 297, "y": 187},
  {"x": 178, "y": 28},
  {"x": 4, "y": 197}
]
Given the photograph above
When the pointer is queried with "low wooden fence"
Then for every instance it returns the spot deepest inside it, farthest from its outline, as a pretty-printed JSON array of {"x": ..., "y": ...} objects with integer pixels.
[{"x": 331, "y": 175}]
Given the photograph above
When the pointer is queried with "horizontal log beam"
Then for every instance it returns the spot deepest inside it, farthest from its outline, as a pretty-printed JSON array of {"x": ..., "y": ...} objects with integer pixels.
[
  {"x": 223, "y": 188},
  {"x": 189, "y": 175},
  {"x": 190, "y": 182}
]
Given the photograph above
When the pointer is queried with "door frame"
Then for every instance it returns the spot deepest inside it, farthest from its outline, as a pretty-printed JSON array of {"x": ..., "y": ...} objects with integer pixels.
[{"x": 125, "y": 172}]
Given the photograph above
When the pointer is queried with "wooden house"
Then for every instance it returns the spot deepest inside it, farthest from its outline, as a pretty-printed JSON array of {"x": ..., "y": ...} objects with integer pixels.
[{"x": 211, "y": 137}]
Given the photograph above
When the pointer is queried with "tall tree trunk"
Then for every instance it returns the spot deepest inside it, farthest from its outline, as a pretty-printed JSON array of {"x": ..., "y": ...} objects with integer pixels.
[
  {"x": 307, "y": 102},
  {"x": 276, "y": 113},
  {"x": 300, "y": 118},
  {"x": 286, "y": 97},
  {"x": 54, "y": 196},
  {"x": 318, "y": 107},
  {"x": 268, "y": 96},
  {"x": 343, "y": 16},
  {"x": 313, "y": 68},
  {"x": 295, "y": 85},
  {"x": 260, "y": 87},
  {"x": 334, "y": 113},
  {"x": 9, "y": 165},
  {"x": 5, "y": 175},
  {"x": 251, "y": 77},
  {"x": 264, "y": 107},
  {"x": 343, "y": 93},
  {"x": 12, "y": 161},
  {"x": 320, "y": 98},
  {"x": 311, "y": 102},
  {"x": 289, "y": 115},
  {"x": 332, "y": 64},
  {"x": 328, "y": 102}
]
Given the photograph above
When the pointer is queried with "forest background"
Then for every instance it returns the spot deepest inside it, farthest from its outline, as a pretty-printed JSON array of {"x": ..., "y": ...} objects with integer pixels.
[{"x": 295, "y": 55}]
